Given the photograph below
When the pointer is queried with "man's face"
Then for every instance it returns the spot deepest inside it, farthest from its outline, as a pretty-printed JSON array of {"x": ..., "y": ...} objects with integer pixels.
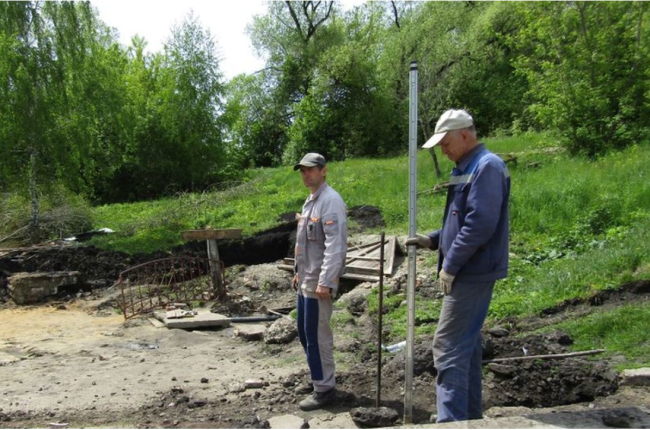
[
  {"x": 313, "y": 177},
  {"x": 456, "y": 144}
]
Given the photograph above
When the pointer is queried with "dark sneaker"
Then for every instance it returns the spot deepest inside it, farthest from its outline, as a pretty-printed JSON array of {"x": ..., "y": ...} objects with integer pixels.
[
  {"x": 306, "y": 388},
  {"x": 318, "y": 400}
]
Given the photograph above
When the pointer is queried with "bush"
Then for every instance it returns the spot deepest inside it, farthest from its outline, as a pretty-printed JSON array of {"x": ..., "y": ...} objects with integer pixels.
[{"x": 61, "y": 214}]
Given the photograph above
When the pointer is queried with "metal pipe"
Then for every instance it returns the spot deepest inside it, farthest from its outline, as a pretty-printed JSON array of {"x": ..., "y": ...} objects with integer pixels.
[
  {"x": 410, "y": 297},
  {"x": 380, "y": 318}
]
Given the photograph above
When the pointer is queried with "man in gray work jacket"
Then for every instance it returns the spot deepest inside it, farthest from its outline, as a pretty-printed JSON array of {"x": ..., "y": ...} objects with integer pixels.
[
  {"x": 321, "y": 245},
  {"x": 472, "y": 254}
]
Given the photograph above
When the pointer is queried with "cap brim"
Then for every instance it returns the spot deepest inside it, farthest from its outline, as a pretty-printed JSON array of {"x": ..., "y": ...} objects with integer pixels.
[
  {"x": 299, "y": 165},
  {"x": 435, "y": 139}
]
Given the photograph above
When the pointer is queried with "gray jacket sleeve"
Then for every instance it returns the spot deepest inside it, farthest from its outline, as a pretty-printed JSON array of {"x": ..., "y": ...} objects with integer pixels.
[{"x": 335, "y": 223}]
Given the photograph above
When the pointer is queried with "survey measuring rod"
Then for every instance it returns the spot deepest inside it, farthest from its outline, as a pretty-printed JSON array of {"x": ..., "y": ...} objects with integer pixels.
[{"x": 410, "y": 295}]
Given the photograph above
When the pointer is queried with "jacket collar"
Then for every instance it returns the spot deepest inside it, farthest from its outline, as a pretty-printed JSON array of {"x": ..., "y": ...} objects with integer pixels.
[
  {"x": 463, "y": 163},
  {"x": 318, "y": 192}
]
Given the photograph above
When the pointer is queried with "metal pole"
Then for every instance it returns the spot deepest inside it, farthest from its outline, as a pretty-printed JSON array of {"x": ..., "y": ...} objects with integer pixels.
[
  {"x": 410, "y": 296},
  {"x": 380, "y": 319}
]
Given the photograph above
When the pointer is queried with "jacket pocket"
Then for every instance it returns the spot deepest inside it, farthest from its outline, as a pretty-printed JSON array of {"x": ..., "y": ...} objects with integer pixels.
[{"x": 315, "y": 230}]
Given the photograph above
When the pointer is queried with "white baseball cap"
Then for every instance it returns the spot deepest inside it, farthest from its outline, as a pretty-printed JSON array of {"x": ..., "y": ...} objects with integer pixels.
[{"x": 453, "y": 119}]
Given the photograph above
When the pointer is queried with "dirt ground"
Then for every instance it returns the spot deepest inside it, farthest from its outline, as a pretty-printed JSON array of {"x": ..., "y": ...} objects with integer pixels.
[{"x": 74, "y": 360}]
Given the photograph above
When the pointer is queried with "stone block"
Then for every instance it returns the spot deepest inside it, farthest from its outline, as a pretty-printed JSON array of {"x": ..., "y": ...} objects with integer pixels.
[
  {"x": 288, "y": 422},
  {"x": 636, "y": 377},
  {"x": 250, "y": 332},
  {"x": 26, "y": 288}
]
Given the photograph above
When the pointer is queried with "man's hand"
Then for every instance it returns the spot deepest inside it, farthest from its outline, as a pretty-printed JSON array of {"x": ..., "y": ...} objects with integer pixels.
[
  {"x": 420, "y": 240},
  {"x": 323, "y": 292},
  {"x": 446, "y": 281},
  {"x": 295, "y": 282}
]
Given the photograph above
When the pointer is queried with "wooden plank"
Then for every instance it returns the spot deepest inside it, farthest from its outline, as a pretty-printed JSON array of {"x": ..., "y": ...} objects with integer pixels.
[
  {"x": 389, "y": 255},
  {"x": 365, "y": 278},
  {"x": 212, "y": 234},
  {"x": 347, "y": 275},
  {"x": 349, "y": 270},
  {"x": 363, "y": 252},
  {"x": 364, "y": 260},
  {"x": 215, "y": 269}
]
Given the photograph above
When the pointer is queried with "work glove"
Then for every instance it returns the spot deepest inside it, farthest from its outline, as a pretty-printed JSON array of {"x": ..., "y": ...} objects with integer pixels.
[
  {"x": 446, "y": 281},
  {"x": 420, "y": 240}
]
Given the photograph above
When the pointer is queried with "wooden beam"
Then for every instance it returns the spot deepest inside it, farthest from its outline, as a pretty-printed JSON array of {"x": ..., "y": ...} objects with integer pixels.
[
  {"x": 212, "y": 234},
  {"x": 367, "y": 274}
]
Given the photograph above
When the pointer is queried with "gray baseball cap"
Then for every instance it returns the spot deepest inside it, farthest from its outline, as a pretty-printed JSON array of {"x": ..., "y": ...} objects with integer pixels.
[{"x": 310, "y": 160}]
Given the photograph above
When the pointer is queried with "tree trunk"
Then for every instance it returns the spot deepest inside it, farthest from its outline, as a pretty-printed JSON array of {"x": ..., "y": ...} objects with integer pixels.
[
  {"x": 427, "y": 134},
  {"x": 33, "y": 193}
]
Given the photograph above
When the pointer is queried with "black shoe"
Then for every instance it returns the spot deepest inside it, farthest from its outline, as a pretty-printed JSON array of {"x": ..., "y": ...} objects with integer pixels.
[
  {"x": 306, "y": 388},
  {"x": 318, "y": 400}
]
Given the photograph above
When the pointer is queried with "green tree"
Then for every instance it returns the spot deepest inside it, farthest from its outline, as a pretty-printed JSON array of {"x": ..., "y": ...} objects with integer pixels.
[
  {"x": 346, "y": 112},
  {"x": 174, "y": 126},
  {"x": 587, "y": 65},
  {"x": 256, "y": 123},
  {"x": 292, "y": 36},
  {"x": 463, "y": 62},
  {"x": 44, "y": 48}
]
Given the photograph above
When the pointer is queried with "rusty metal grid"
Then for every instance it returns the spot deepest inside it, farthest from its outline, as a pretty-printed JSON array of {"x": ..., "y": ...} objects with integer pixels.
[{"x": 159, "y": 283}]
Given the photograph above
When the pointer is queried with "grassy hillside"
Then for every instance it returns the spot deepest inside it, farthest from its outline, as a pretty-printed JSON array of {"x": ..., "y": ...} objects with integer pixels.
[{"x": 577, "y": 225}]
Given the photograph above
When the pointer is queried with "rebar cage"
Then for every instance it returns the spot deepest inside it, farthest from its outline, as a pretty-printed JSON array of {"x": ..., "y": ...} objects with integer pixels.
[{"x": 159, "y": 283}]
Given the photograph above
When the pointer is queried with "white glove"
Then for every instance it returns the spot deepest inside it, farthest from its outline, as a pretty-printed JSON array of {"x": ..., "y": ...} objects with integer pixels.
[
  {"x": 420, "y": 240},
  {"x": 446, "y": 281}
]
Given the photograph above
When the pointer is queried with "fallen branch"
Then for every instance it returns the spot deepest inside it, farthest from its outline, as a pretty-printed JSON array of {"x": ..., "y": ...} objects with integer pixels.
[
  {"x": 14, "y": 233},
  {"x": 543, "y": 357}
]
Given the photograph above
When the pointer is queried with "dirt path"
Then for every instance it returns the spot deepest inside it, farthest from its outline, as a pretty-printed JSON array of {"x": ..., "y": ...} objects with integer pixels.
[{"x": 61, "y": 363}]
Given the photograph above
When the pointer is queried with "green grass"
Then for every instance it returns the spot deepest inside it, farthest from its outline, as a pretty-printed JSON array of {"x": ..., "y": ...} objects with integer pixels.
[
  {"x": 394, "y": 321},
  {"x": 623, "y": 330}
]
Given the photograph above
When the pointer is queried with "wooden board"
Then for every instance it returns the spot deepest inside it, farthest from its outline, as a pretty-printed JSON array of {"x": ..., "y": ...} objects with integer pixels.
[
  {"x": 362, "y": 261},
  {"x": 224, "y": 233}
]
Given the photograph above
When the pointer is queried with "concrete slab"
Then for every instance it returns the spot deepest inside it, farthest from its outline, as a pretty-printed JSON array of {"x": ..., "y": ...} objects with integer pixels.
[
  {"x": 154, "y": 322},
  {"x": 332, "y": 421},
  {"x": 636, "y": 377},
  {"x": 26, "y": 288},
  {"x": 204, "y": 318},
  {"x": 287, "y": 422}
]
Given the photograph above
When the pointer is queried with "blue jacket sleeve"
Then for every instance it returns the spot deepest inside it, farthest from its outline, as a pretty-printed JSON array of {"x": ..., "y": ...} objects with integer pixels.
[
  {"x": 435, "y": 239},
  {"x": 482, "y": 213}
]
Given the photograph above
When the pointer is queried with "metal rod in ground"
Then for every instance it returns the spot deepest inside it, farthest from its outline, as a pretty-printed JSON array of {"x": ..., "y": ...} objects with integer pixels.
[
  {"x": 380, "y": 318},
  {"x": 410, "y": 297},
  {"x": 545, "y": 356}
]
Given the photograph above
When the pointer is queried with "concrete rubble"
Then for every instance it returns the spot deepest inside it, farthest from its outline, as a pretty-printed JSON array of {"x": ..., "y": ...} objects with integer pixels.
[
  {"x": 249, "y": 332},
  {"x": 635, "y": 377},
  {"x": 282, "y": 331},
  {"x": 26, "y": 288},
  {"x": 288, "y": 422}
]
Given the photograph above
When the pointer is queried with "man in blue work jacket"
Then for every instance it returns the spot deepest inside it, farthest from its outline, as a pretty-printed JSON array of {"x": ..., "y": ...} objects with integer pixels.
[
  {"x": 472, "y": 255},
  {"x": 321, "y": 246}
]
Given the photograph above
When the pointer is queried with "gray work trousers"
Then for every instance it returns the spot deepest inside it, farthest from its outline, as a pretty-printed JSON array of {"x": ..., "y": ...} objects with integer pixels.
[
  {"x": 457, "y": 351},
  {"x": 313, "y": 318}
]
